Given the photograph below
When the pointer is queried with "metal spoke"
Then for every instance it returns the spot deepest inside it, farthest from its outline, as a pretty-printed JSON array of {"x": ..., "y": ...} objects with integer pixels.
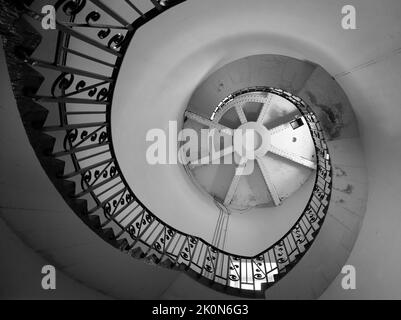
[
  {"x": 269, "y": 183},
  {"x": 285, "y": 123},
  {"x": 209, "y": 123},
  {"x": 293, "y": 157},
  {"x": 280, "y": 128},
  {"x": 241, "y": 114},
  {"x": 211, "y": 159},
  {"x": 265, "y": 107},
  {"x": 234, "y": 183}
]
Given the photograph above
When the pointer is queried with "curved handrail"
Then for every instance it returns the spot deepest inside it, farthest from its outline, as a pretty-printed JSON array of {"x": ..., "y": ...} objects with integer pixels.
[{"x": 111, "y": 207}]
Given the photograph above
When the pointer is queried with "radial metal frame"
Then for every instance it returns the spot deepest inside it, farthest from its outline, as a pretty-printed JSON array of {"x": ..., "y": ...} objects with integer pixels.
[{"x": 237, "y": 102}]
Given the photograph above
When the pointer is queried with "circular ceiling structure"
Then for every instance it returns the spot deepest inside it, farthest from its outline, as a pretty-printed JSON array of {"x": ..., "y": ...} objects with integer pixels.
[{"x": 251, "y": 127}]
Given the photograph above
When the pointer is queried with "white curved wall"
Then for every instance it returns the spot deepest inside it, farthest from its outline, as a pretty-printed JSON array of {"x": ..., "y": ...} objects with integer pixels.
[
  {"x": 372, "y": 55},
  {"x": 314, "y": 32},
  {"x": 165, "y": 64}
]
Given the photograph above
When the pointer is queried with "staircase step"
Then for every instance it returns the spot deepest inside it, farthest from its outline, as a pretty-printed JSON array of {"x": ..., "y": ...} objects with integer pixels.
[
  {"x": 95, "y": 221},
  {"x": 68, "y": 187},
  {"x": 53, "y": 166},
  {"x": 32, "y": 114},
  {"x": 123, "y": 244},
  {"x": 167, "y": 263},
  {"x": 136, "y": 252},
  {"x": 108, "y": 234},
  {"x": 79, "y": 206}
]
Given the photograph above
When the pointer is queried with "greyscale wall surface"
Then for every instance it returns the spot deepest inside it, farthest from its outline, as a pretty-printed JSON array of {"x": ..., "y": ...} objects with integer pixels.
[{"x": 365, "y": 62}]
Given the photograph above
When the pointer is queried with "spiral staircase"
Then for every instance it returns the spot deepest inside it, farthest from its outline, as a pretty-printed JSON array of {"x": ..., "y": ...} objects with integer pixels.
[{"x": 69, "y": 82}]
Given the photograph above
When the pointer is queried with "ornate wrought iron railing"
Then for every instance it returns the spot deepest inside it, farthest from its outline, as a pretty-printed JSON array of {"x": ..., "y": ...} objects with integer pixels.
[{"x": 72, "y": 138}]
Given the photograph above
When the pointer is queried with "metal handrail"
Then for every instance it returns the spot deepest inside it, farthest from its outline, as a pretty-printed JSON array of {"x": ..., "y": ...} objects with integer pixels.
[{"x": 88, "y": 147}]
